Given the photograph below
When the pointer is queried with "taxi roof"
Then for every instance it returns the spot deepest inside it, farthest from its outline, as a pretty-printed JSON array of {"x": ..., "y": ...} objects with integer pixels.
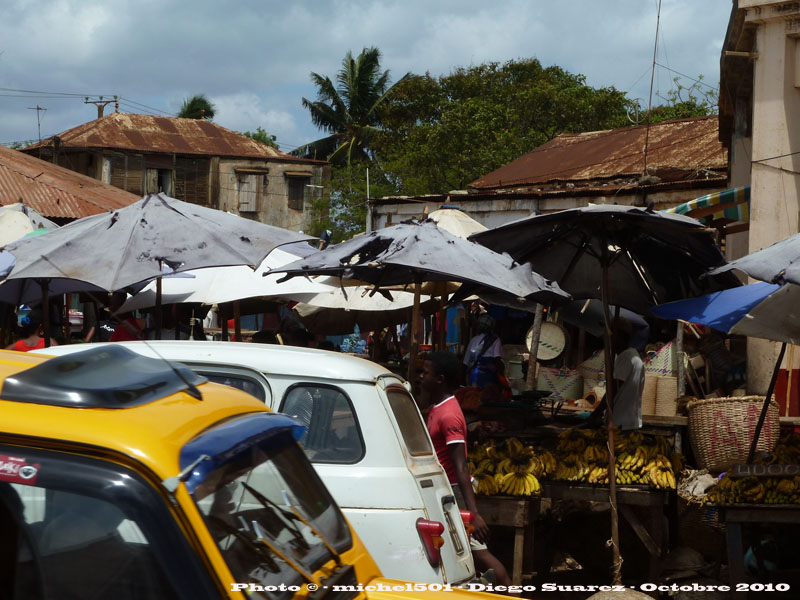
[{"x": 152, "y": 433}]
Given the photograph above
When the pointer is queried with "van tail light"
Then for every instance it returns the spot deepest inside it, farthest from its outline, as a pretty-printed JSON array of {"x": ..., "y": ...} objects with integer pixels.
[
  {"x": 468, "y": 517},
  {"x": 430, "y": 532}
]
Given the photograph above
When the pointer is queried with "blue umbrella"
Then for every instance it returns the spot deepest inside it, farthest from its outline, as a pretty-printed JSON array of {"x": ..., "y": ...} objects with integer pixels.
[{"x": 762, "y": 310}]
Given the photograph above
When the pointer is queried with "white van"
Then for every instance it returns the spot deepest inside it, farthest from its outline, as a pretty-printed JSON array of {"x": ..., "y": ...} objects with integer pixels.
[{"x": 366, "y": 439}]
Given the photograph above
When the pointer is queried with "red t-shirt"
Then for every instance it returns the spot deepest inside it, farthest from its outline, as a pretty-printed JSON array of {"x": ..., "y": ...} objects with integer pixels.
[
  {"x": 124, "y": 334},
  {"x": 446, "y": 425},
  {"x": 21, "y": 346}
]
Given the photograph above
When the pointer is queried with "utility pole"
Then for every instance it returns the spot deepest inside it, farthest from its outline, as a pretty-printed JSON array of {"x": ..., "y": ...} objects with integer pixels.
[
  {"x": 101, "y": 104},
  {"x": 38, "y": 110}
]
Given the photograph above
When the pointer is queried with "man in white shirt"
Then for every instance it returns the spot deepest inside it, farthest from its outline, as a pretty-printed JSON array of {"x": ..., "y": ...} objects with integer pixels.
[{"x": 629, "y": 373}]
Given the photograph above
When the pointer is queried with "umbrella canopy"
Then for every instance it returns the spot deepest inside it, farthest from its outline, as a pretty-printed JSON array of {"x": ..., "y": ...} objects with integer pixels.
[
  {"x": 651, "y": 257},
  {"x": 422, "y": 251},
  {"x": 762, "y": 310},
  {"x": 456, "y": 222},
  {"x": 779, "y": 263},
  {"x": 114, "y": 250},
  {"x": 216, "y": 285},
  {"x": 338, "y": 312},
  {"x": 588, "y": 315}
]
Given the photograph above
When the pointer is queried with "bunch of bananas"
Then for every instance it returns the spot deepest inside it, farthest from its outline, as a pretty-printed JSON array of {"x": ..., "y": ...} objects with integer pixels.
[
  {"x": 513, "y": 469},
  {"x": 766, "y": 490}
]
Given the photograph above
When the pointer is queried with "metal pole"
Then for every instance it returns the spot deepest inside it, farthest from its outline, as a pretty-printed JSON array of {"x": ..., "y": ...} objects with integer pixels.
[
  {"x": 413, "y": 339},
  {"x": 45, "y": 284},
  {"x": 616, "y": 567},
  {"x": 158, "y": 308},
  {"x": 237, "y": 320},
  {"x": 530, "y": 379},
  {"x": 764, "y": 408},
  {"x": 681, "y": 369}
]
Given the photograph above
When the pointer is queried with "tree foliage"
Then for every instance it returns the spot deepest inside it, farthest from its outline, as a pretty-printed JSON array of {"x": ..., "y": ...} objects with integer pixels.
[
  {"x": 260, "y": 135},
  {"x": 683, "y": 102},
  {"x": 348, "y": 111},
  {"x": 197, "y": 107},
  {"x": 442, "y": 133}
]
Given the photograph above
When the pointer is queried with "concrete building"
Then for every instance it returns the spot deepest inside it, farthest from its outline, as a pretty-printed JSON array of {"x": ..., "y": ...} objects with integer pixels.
[
  {"x": 759, "y": 105},
  {"x": 196, "y": 161},
  {"x": 683, "y": 159}
]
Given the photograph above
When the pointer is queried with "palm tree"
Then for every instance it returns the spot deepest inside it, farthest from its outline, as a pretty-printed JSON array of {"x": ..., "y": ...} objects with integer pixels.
[
  {"x": 197, "y": 107},
  {"x": 349, "y": 110}
]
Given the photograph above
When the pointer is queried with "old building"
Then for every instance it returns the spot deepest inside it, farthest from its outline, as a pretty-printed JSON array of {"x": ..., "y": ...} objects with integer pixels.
[
  {"x": 54, "y": 192},
  {"x": 665, "y": 164},
  {"x": 195, "y": 161},
  {"x": 759, "y": 93}
]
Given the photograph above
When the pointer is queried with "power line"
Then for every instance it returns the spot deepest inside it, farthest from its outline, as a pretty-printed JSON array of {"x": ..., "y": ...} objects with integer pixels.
[{"x": 699, "y": 81}]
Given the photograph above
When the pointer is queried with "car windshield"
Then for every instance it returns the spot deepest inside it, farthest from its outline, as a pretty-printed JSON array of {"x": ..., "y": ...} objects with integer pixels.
[{"x": 268, "y": 512}]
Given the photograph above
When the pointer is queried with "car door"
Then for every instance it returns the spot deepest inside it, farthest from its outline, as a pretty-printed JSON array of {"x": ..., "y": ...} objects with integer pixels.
[{"x": 429, "y": 477}]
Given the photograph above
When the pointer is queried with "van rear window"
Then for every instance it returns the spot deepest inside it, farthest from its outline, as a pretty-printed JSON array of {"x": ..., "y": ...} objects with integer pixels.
[
  {"x": 408, "y": 419},
  {"x": 333, "y": 434}
]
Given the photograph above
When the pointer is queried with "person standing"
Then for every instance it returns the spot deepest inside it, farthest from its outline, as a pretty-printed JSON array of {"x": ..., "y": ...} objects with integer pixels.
[
  {"x": 448, "y": 431},
  {"x": 629, "y": 373}
]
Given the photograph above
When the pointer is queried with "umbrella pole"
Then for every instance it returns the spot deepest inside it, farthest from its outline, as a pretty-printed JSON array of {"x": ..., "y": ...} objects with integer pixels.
[
  {"x": 443, "y": 325},
  {"x": 530, "y": 379},
  {"x": 616, "y": 568},
  {"x": 158, "y": 308},
  {"x": 67, "y": 324},
  {"x": 413, "y": 339},
  {"x": 45, "y": 284},
  {"x": 764, "y": 408},
  {"x": 237, "y": 320}
]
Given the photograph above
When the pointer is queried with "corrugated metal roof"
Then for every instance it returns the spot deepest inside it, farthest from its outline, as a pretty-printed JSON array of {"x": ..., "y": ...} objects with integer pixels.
[
  {"x": 55, "y": 191},
  {"x": 146, "y": 133},
  {"x": 677, "y": 150}
]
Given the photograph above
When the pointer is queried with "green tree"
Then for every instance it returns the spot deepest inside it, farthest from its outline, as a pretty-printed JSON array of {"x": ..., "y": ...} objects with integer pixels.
[
  {"x": 197, "y": 107},
  {"x": 442, "y": 133},
  {"x": 348, "y": 111},
  {"x": 683, "y": 102},
  {"x": 260, "y": 135}
]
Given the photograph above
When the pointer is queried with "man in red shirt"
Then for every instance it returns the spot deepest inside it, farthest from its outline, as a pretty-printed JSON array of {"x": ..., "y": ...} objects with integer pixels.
[{"x": 448, "y": 431}]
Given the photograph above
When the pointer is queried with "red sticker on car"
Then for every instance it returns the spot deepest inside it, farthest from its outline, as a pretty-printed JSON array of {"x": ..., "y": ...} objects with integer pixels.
[{"x": 17, "y": 470}]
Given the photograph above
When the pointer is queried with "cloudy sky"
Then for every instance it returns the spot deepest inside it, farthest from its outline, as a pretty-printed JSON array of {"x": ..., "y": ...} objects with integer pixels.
[{"x": 252, "y": 58}]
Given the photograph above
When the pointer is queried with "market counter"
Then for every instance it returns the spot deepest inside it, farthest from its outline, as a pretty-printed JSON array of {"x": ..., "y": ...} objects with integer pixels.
[{"x": 521, "y": 513}]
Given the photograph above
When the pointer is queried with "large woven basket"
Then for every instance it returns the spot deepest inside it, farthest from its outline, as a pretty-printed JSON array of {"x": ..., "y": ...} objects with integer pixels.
[{"x": 721, "y": 430}]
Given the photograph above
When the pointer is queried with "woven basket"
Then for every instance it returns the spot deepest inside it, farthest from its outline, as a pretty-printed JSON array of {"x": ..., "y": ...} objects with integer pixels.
[
  {"x": 666, "y": 396},
  {"x": 649, "y": 395},
  {"x": 721, "y": 430}
]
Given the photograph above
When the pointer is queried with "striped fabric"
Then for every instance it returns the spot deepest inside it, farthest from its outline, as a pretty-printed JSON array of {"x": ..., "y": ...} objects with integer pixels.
[{"x": 733, "y": 205}]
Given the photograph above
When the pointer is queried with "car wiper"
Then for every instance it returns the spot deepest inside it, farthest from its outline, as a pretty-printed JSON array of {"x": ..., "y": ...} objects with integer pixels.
[
  {"x": 261, "y": 550},
  {"x": 313, "y": 529},
  {"x": 287, "y": 515}
]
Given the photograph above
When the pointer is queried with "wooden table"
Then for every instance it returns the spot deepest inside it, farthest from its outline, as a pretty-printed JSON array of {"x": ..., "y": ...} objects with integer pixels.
[
  {"x": 736, "y": 516},
  {"x": 654, "y": 535},
  {"x": 519, "y": 513}
]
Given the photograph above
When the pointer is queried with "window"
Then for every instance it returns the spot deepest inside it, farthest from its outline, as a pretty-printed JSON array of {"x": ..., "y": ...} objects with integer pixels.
[
  {"x": 297, "y": 192},
  {"x": 408, "y": 420},
  {"x": 333, "y": 434},
  {"x": 235, "y": 380},
  {"x": 65, "y": 515}
]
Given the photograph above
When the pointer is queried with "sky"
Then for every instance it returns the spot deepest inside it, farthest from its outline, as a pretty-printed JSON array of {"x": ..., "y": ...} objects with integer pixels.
[{"x": 253, "y": 58}]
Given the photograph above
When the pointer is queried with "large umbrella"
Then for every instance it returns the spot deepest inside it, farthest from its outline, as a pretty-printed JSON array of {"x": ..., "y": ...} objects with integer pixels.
[
  {"x": 421, "y": 251},
  {"x": 762, "y": 310},
  {"x": 117, "y": 249},
  {"x": 778, "y": 263},
  {"x": 628, "y": 256}
]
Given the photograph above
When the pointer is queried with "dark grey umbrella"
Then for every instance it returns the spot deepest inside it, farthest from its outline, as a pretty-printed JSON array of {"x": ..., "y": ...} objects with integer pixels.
[
  {"x": 421, "y": 251},
  {"x": 779, "y": 263},
  {"x": 626, "y": 256},
  {"x": 114, "y": 250},
  {"x": 124, "y": 247}
]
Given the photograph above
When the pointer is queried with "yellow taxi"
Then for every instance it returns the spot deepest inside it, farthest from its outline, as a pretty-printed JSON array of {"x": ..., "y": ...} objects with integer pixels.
[{"x": 128, "y": 477}]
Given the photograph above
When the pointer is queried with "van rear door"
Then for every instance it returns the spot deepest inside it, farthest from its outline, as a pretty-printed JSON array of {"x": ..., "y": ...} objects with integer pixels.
[{"x": 430, "y": 478}]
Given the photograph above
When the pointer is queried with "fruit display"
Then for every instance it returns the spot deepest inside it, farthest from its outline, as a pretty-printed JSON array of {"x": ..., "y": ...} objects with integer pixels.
[
  {"x": 762, "y": 490},
  {"x": 580, "y": 455}
]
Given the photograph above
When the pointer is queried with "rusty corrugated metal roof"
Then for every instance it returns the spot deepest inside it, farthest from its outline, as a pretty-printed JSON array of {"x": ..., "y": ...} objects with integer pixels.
[
  {"x": 54, "y": 191},
  {"x": 147, "y": 133},
  {"x": 677, "y": 151}
]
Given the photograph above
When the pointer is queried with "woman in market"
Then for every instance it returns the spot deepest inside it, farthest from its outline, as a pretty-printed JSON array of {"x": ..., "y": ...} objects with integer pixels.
[{"x": 31, "y": 333}]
